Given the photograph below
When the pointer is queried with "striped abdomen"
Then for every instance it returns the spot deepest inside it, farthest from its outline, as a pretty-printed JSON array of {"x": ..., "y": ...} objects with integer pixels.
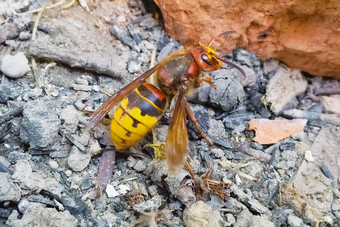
[{"x": 136, "y": 115}]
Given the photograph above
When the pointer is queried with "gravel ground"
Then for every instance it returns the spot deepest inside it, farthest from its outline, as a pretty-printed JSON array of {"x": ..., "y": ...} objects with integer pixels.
[{"x": 49, "y": 161}]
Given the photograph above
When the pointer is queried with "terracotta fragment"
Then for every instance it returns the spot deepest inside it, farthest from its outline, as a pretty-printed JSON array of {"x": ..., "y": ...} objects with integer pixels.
[{"x": 272, "y": 131}]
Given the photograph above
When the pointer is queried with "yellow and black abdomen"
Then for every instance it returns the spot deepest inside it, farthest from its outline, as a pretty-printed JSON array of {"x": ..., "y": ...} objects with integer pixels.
[{"x": 136, "y": 115}]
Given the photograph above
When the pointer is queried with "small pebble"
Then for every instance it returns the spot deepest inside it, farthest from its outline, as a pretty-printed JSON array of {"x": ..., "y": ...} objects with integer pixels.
[
  {"x": 111, "y": 191},
  {"x": 40, "y": 123},
  {"x": 95, "y": 88},
  {"x": 68, "y": 173},
  {"x": 24, "y": 35},
  {"x": 149, "y": 205},
  {"x": 260, "y": 221},
  {"x": 59, "y": 154},
  {"x": 149, "y": 22},
  {"x": 217, "y": 152},
  {"x": 12, "y": 43},
  {"x": 131, "y": 162},
  {"x": 152, "y": 189},
  {"x": 82, "y": 102},
  {"x": 15, "y": 156},
  {"x": 201, "y": 214},
  {"x": 76, "y": 178},
  {"x": 82, "y": 81},
  {"x": 95, "y": 147},
  {"x": 133, "y": 66},
  {"x": 78, "y": 160},
  {"x": 148, "y": 45},
  {"x": 81, "y": 87},
  {"x": 53, "y": 164},
  {"x": 55, "y": 93},
  {"x": 139, "y": 166},
  {"x": 309, "y": 156},
  {"x": 230, "y": 219},
  {"x": 23, "y": 205},
  {"x": 86, "y": 184},
  {"x": 123, "y": 189},
  {"x": 15, "y": 66},
  {"x": 294, "y": 221}
]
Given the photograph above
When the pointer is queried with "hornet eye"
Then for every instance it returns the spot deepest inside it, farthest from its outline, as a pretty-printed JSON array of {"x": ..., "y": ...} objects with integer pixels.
[{"x": 209, "y": 61}]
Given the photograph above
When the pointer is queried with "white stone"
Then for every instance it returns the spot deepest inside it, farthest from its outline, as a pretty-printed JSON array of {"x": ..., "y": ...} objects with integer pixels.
[
  {"x": 15, "y": 66},
  {"x": 309, "y": 156},
  {"x": 68, "y": 173},
  {"x": 53, "y": 164},
  {"x": 111, "y": 191},
  {"x": 123, "y": 189}
]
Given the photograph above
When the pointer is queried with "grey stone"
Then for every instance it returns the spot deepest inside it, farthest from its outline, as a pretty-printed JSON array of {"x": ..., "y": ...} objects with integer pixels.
[
  {"x": 149, "y": 22},
  {"x": 228, "y": 93},
  {"x": 270, "y": 66},
  {"x": 84, "y": 100},
  {"x": 25, "y": 35},
  {"x": 149, "y": 205},
  {"x": 23, "y": 205},
  {"x": 244, "y": 218},
  {"x": 40, "y": 123},
  {"x": 230, "y": 219},
  {"x": 217, "y": 152},
  {"x": 59, "y": 154},
  {"x": 74, "y": 204},
  {"x": 15, "y": 66},
  {"x": 294, "y": 221},
  {"x": 131, "y": 162},
  {"x": 32, "y": 94},
  {"x": 260, "y": 221},
  {"x": 217, "y": 129},
  {"x": 247, "y": 199},
  {"x": 78, "y": 160},
  {"x": 4, "y": 165},
  {"x": 124, "y": 38},
  {"x": 133, "y": 66},
  {"x": 336, "y": 205},
  {"x": 70, "y": 118},
  {"x": 246, "y": 58},
  {"x": 201, "y": 214},
  {"x": 81, "y": 87},
  {"x": 9, "y": 191},
  {"x": 86, "y": 184},
  {"x": 179, "y": 184},
  {"x": 36, "y": 214},
  {"x": 170, "y": 47},
  {"x": 283, "y": 87},
  {"x": 27, "y": 180},
  {"x": 8, "y": 31},
  {"x": 9, "y": 90},
  {"x": 140, "y": 166},
  {"x": 15, "y": 156}
]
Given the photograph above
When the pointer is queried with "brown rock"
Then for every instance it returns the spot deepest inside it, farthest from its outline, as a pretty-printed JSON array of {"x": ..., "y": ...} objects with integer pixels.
[
  {"x": 272, "y": 131},
  {"x": 304, "y": 36}
]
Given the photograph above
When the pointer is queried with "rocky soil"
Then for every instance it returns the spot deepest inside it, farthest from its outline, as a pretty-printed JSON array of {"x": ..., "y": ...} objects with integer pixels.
[{"x": 276, "y": 158}]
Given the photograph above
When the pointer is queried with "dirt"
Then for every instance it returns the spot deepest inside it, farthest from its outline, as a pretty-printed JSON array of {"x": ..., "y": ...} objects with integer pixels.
[{"x": 49, "y": 161}]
